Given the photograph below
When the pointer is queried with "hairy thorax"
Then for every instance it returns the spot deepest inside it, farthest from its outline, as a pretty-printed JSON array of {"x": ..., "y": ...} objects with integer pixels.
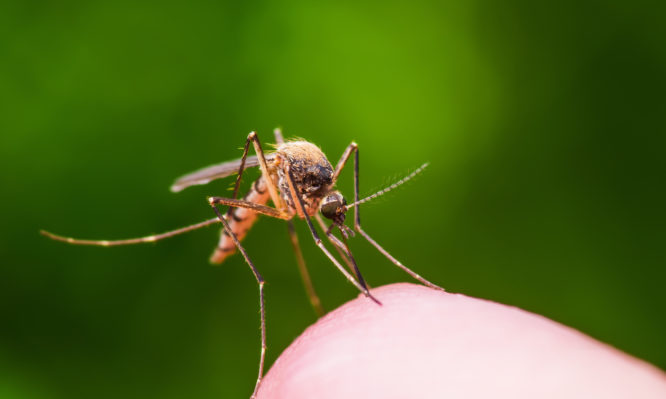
[{"x": 311, "y": 171}]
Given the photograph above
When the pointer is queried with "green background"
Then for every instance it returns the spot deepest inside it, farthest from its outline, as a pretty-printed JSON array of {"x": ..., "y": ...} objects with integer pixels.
[{"x": 544, "y": 126}]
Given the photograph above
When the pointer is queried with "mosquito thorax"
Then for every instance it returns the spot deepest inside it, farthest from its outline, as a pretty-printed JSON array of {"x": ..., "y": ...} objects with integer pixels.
[
  {"x": 333, "y": 207},
  {"x": 311, "y": 174}
]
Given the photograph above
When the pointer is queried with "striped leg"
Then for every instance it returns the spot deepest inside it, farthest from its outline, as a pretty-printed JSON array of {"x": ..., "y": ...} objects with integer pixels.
[
  {"x": 129, "y": 241},
  {"x": 262, "y": 309}
]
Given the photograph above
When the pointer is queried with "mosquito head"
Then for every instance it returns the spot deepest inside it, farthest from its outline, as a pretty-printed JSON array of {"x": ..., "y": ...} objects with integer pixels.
[{"x": 333, "y": 207}]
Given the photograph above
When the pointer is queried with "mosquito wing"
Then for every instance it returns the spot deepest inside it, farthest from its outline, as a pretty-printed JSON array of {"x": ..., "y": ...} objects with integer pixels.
[{"x": 210, "y": 173}]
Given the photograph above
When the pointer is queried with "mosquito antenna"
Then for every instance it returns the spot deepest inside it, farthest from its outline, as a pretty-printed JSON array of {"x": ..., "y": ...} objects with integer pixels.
[
  {"x": 141, "y": 240},
  {"x": 389, "y": 188}
]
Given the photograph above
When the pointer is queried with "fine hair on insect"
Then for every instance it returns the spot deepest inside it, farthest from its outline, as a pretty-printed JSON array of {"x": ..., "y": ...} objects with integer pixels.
[{"x": 299, "y": 181}]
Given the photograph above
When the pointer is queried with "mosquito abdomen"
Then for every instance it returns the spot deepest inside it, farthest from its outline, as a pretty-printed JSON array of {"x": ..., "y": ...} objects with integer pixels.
[{"x": 240, "y": 221}]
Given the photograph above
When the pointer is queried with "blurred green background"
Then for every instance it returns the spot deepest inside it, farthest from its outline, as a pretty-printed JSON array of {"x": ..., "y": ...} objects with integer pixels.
[{"x": 544, "y": 126}]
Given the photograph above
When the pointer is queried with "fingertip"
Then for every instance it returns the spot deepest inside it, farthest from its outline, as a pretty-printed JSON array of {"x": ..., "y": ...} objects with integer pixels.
[{"x": 427, "y": 343}]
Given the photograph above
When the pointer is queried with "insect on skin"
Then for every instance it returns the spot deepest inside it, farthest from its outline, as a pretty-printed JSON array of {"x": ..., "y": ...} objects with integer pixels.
[{"x": 299, "y": 181}]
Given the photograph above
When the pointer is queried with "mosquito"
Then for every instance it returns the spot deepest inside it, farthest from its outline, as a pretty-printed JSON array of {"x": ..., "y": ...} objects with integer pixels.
[{"x": 299, "y": 180}]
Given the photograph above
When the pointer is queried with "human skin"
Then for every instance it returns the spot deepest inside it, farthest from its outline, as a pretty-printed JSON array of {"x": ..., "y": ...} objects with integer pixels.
[{"x": 425, "y": 343}]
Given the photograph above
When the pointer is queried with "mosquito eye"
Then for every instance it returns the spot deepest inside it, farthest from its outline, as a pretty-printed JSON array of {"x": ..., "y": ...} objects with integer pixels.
[
  {"x": 333, "y": 206},
  {"x": 329, "y": 208}
]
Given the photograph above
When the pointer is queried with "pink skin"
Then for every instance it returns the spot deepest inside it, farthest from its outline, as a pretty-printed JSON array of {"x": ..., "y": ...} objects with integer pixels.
[{"x": 424, "y": 343}]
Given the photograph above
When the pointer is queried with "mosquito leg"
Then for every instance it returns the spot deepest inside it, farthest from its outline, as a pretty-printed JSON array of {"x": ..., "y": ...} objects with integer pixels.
[
  {"x": 260, "y": 281},
  {"x": 357, "y": 226},
  {"x": 140, "y": 240},
  {"x": 396, "y": 262},
  {"x": 272, "y": 189},
  {"x": 319, "y": 243},
  {"x": 259, "y": 208},
  {"x": 302, "y": 268},
  {"x": 241, "y": 168},
  {"x": 343, "y": 160}
]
